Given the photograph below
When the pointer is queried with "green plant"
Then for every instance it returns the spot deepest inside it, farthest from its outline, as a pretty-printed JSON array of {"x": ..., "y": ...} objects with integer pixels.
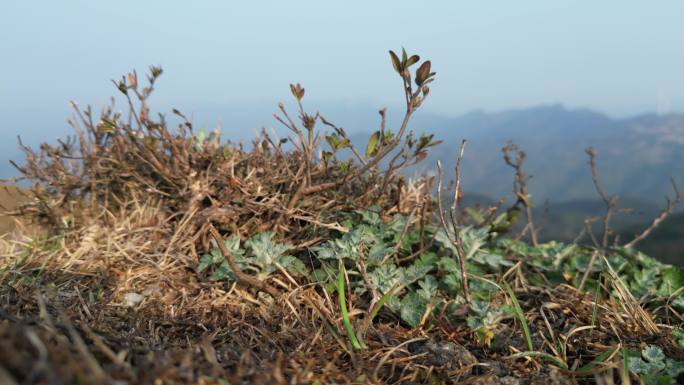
[
  {"x": 260, "y": 255},
  {"x": 485, "y": 318},
  {"x": 678, "y": 334},
  {"x": 342, "y": 299},
  {"x": 653, "y": 366},
  {"x": 521, "y": 317}
]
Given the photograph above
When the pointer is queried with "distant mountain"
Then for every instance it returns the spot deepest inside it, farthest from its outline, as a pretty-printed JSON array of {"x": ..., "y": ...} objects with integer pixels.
[
  {"x": 636, "y": 156},
  {"x": 666, "y": 243}
]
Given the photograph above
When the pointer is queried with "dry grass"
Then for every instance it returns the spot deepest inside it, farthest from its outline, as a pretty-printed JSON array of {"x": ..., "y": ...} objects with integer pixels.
[{"x": 66, "y": 319}]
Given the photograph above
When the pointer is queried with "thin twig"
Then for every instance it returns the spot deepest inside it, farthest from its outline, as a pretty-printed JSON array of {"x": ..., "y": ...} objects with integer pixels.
[
  {"x": 454, "y": 219},
  {"x": 520, "y": 185},
  {"x": 671, "y": 204},
  {"x": 610, "y": 201},
  {"x": 242, "y": 277}
]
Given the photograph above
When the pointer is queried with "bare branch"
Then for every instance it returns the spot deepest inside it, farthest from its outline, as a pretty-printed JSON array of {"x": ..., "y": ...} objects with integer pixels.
[
  {"x": 242, "y": 277},
  {"x": 671, "y": 204},
  {"x": 520, "y": 185},
  {"x": 610, "y": 201}
]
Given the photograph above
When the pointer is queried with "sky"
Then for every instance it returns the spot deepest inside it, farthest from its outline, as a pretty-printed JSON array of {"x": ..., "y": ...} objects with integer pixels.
[{"x": 620, "y": 57}]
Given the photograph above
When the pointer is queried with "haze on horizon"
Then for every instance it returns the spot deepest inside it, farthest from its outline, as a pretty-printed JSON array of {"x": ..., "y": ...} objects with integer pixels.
[{"x": 618, "y": 57}]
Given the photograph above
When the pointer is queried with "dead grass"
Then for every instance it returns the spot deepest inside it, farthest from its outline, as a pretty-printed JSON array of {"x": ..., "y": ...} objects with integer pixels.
[{"x": 66, "y": 319}]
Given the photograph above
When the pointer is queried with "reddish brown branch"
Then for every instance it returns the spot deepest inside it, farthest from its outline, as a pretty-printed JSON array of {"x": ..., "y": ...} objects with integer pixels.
[
  {"x": 671, "y": 204},
  {"x": 241, "y": 277}
]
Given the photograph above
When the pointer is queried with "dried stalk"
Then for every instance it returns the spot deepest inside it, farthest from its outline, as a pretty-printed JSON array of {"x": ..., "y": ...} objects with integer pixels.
[
  {"x": 454, "y": 220},
  {"x": 520, "y": 185}
]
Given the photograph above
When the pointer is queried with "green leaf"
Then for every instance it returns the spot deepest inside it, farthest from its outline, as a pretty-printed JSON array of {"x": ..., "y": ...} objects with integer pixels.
[
  {"x": 521, "y": 316},
  {"x": 412, "y": 309},
  {"x": 638, "y": 366},
  {"x": 223, "y": 271},
  {"x": 216, "y": 261},
  {"x": 674, "y": 368},
  {"x": 387, "y": 276},
  {"x": 428, "y": 288},
  {"x": 333, "y": 140},
  {"x": 372, "y": 146},
  {"x": 673, "y": 279},
  {"x": 654, "y": 355},
  {"x": 475, "y": 215},
  {"x": 342, "y": 299},
  {"x": 205, "y": 261},
  {"x": 678, "y": 334},
  {"x": 292, "y": 264},
  {"x": 327, "y": 156},
  {"x": 412, "y": 60},
  {"x": 264, "y": 250}
]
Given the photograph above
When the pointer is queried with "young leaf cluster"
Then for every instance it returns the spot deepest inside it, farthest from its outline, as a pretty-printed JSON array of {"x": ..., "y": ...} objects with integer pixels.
[
  {"x": 261, "y": 255},
  {"x": 653, "y": 366}
]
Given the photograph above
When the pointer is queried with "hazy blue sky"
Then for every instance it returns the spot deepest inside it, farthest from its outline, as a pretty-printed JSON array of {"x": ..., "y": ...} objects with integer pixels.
[{"x": 621, "y": 57}]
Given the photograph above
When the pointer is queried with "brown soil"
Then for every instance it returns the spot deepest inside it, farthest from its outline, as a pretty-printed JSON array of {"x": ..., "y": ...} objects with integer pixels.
[{"x": 10, "y": 198}]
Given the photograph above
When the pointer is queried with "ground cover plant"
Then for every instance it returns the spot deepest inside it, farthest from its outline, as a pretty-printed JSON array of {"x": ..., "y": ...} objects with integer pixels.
[{"x": 172, "y": 257}]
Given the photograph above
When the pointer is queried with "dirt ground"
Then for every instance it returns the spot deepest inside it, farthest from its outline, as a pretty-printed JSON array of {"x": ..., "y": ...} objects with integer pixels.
[{"x": 10, "y": 198}]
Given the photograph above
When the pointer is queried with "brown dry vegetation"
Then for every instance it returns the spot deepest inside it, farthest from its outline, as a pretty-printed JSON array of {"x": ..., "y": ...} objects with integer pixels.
[
  {"x": 112, "y": 294},
  {"x": 10, "y": 199},
  {"x": 66, "y": 320}
]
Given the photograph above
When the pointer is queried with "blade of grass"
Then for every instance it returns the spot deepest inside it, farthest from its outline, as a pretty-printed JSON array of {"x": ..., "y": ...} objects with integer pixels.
[
  {"x": 378, "y": 306},
  {"x": 549, "y": 357},
  {"x": 328, "y": 326},
  {"x": 376, "y": 309},
  {"x": 603, "y": 357},
  {"x": 594, "y": 310},
  {"x": 342, "y": 298},
  {"x": 521, "y": 316}
]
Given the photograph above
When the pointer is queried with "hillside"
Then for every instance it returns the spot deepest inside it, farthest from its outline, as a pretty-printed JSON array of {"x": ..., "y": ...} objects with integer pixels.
[
  {"x": 666, "y": 243},
  {"x": 637, "y": 156}
]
